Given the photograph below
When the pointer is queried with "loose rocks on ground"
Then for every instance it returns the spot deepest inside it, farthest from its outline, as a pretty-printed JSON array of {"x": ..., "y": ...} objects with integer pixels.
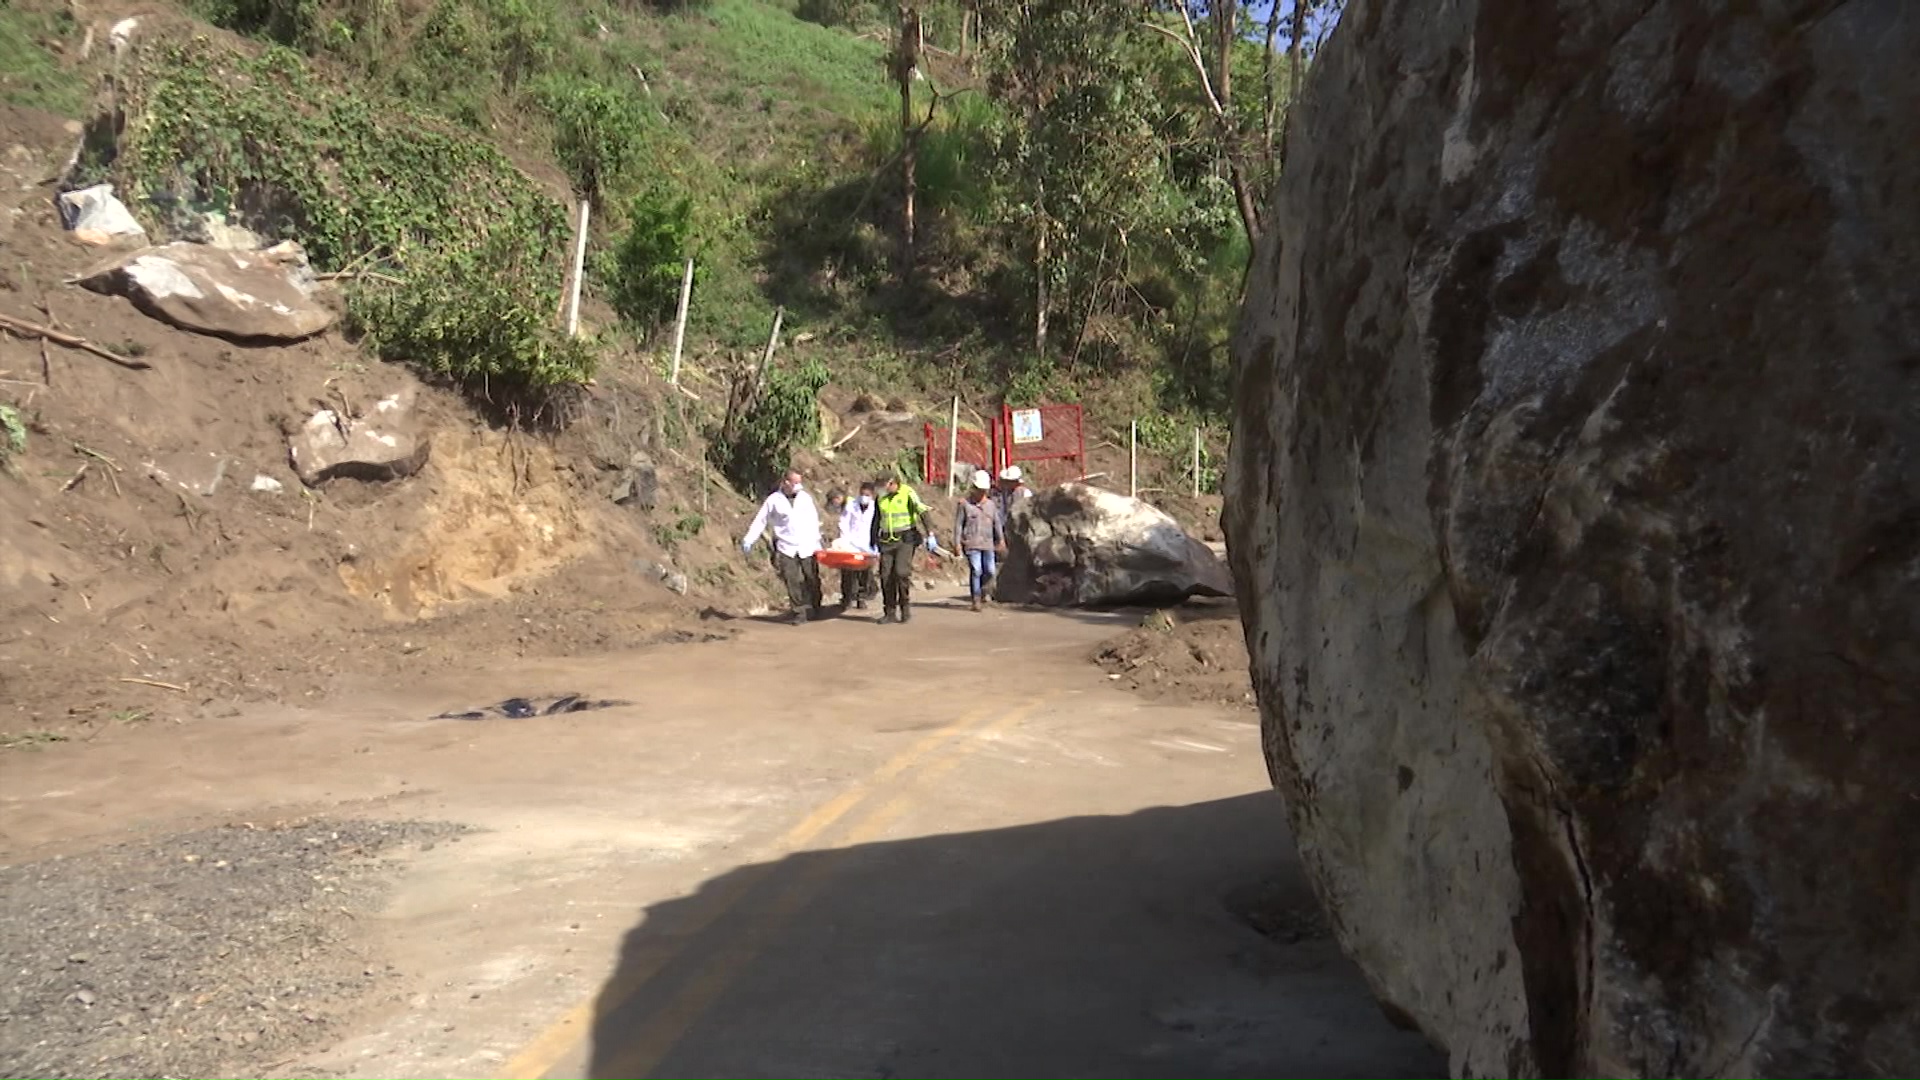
[{"x": 196, "y": 955}]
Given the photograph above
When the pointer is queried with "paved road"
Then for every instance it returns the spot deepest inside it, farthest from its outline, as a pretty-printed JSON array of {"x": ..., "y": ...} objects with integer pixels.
[{"x": 948, "y": 849}]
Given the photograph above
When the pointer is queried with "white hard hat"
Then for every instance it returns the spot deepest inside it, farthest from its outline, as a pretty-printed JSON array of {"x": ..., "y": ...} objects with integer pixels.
[
  {"x": 1011, "y": 472},
  {"x": 981, "y": 480}
]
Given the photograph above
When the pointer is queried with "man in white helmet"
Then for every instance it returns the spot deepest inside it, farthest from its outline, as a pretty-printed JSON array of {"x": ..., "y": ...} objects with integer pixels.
[
  {"x": 978, "y": 531},
  {"x": 1010, "y": 491}
]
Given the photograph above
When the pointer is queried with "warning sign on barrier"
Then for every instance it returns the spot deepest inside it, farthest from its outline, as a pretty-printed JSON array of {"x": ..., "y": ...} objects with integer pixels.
[{"x": 1026, "y": 427}]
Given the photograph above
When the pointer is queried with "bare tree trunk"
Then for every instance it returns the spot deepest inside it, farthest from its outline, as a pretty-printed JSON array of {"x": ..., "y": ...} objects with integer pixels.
[
  {"x": 906, "y": 60},
  {"x": 1296, "y": 58},
  {"x": 1040, "y": 269},
  {"x": 1269, "y": 135},
  {"x": 1217, "y": 87}
]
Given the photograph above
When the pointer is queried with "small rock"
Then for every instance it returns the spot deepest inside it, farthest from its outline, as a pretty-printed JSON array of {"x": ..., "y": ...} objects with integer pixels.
[
  {"x": 85, "y": 997},
  {"x": 267, "y": 484},
  {"x": 194, "y": 472},
  {"x": 78, "y": 958}
]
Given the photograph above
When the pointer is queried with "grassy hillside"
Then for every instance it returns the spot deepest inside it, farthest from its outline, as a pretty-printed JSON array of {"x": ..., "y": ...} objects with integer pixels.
[{"x": 763, "y": 144}]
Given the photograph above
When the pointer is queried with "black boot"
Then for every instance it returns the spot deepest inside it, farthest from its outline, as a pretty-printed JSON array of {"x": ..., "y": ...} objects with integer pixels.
[
  {"x": 906, "y": 612},
  {"x": 889, "y": 618},
  {"x": 799, "y": 617}
]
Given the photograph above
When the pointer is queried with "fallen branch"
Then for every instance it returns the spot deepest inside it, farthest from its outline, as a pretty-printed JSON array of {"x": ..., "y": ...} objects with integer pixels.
[
  {"x": 48, "y": 333},
  {"x": 97, "y": 456},
  {"x": 374, "y": 274},
  {"x": 844, "y": 438},
  {"x": 78, "y": 476},
  {"x": 113, "y": 467},
  {"x": 156, "y": 682}
]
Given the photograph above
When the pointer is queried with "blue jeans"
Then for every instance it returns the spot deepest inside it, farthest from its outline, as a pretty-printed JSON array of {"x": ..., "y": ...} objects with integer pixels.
[{"x": 979, "y": 572}]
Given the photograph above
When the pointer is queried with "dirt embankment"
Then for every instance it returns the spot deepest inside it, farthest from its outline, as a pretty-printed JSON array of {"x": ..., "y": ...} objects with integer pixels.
[
  {"x": 1193, "y": 653},
  {"x": 125, "y": 599}
]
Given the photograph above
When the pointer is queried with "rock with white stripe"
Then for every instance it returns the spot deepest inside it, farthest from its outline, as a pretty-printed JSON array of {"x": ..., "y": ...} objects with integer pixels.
[
  {"x": 387, "y": 443},
  {"x": 1077, "y": 544},
  {"x": 244, "y": 296}
]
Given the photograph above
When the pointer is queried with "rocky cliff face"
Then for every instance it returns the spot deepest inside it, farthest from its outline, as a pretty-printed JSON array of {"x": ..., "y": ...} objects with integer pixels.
[{"x": 1575, "y": 514}]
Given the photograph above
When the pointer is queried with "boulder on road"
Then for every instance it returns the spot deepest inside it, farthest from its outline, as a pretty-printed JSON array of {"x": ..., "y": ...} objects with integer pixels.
[
  {"x": 387, "y": 444},
  {"x": 1077, "y": 544},
  {"x": 256, "y": 296},
  {"x": 1574, "y": 506}
]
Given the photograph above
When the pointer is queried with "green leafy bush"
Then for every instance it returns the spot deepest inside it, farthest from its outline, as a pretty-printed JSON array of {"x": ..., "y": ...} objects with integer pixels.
[
  {"x": 478, "y": 244},
  {"x": 462, "y": 314},
  {"x": 13, "y": 433},
  {"x": 856, "y": 14},
  {"x": 289, "y": 22},
  {"x": 785, "y": 416},
  {"x": 599, "y": 131},
  {"x": 642, "y": 273}
]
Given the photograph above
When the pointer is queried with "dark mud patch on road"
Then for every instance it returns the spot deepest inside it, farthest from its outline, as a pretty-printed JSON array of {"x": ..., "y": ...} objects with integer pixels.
[
  {"x": 210, "y": 953},
  {"x": 1191, "y": 654},
  {"x": 523, "y": 708}
]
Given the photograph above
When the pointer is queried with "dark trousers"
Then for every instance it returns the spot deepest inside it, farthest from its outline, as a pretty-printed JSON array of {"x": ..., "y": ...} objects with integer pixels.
[
  {"x": 802, "y": 578},
  {"x": 896, "y": 573},
  {"x": 855, "y": 585}
]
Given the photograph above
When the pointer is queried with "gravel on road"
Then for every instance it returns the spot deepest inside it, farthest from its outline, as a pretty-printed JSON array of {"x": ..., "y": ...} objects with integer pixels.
[{"x": 216, "y": 952}]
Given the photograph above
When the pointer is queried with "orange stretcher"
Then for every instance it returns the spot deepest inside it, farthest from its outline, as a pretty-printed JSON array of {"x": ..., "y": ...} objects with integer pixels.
[{"x": 844, "y": 560}]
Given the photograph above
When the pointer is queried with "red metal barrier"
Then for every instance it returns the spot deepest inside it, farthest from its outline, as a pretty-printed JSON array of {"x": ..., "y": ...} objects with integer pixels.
[
  {"x": 973, "y": 450},
  {"x": 1048, "y": 442}
]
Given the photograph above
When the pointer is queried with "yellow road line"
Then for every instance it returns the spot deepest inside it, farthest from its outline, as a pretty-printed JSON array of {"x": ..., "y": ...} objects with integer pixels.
[
  {"x": 547, "y": 1049},
  {"x": 642, "y": 1054}
]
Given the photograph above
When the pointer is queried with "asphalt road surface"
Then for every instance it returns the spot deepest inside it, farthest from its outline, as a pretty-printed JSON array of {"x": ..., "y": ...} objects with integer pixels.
[{"x": 946, "y": 849}]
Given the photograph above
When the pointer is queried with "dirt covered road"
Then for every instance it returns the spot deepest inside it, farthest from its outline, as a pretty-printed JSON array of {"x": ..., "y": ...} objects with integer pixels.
[{"x": 952, "y": 848}]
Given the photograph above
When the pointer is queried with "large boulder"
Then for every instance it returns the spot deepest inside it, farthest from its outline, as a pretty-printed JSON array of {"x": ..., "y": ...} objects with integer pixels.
[
  {"x": 388, "y": 443},
  {"x": 244, "y": 296},
  {"x": 1573, "y": 506},
  {"x": 1079, "y": 544}
]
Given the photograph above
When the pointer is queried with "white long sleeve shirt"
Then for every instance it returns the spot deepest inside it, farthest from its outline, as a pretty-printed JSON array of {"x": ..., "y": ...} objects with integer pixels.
[
  {"x": 795, "y": 523},
  {"x": 856, "y": 524}
]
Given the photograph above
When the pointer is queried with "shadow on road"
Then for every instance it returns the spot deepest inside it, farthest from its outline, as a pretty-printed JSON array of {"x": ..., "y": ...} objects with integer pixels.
[{"x": 1178, "y": 941}]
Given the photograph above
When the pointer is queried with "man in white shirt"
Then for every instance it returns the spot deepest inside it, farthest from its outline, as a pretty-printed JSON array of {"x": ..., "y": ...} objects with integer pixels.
[
  {"x": 856, "y": 528},
  {"x": 795, "y": 525}
]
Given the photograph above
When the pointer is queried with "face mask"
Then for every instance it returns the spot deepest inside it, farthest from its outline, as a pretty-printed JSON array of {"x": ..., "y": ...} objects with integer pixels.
[
  {"x": 794, "y": 489},
  {"x": 866, "y": 501}
]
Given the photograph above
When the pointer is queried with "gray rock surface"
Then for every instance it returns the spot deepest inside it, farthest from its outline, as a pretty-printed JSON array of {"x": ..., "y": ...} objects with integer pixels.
[
  {"x": 1573, "y": 507},
  {"x": 385, "y": 444},
  {"x": 256, "y": 296},
  {"x": 194, "y": 472},
  {"x": 1081, "y": 545}
]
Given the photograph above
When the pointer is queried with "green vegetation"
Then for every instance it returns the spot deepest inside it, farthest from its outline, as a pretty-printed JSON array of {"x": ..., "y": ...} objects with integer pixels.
[
  {"x": 476, "y": 242},
  {"x": 29, "y": 72},
  {"x": 670, "y": 535},
  {"x": 759, "y": 438},
  {"x": 1086, "y": 177},
  {"x": 13, "y": 433}
]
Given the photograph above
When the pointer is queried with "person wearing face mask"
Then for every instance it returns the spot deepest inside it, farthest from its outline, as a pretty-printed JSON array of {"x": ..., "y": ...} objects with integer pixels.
[
  {"x": 795, "y": 526},
  {"x": 856, "y": 527}
]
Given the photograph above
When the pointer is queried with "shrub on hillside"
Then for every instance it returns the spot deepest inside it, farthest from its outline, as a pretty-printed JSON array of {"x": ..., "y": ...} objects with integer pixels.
[
  {"x": 641, "y": 275},
  {"x": 759, "y": 442},
  {"x": 856, "y": 14},
  {"x": 479, "y": 245},
  {"x": 459, "y": 314},
  {"x": 599, "y": 131}
]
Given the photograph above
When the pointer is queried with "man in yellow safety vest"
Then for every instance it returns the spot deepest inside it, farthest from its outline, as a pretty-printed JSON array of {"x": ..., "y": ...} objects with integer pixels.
[{"x": 901, "y": 523}]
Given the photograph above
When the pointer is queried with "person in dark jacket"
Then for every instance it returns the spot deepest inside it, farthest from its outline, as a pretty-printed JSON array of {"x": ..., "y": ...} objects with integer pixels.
[{"x": 977, "y": 532}]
